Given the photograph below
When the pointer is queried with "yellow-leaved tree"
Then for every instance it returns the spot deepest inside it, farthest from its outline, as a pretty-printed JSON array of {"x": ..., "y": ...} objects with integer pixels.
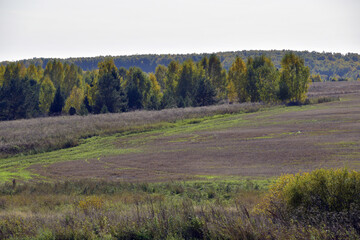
[
  {"x": 2, "y": 71},
  {"x": 75, "y": 100},
  {"x": 46, "y": 94},
  {"x": 231, "y": 92},
  {"x": 155, "y": 93},
  {"x": 237, "y": 75},
  {"x": 155, "y": 86},
  {"x": 32, "y": 72}
]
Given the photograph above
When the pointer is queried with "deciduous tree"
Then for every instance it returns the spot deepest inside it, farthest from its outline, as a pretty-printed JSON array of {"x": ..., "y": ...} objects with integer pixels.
[
  {"x": 75, "y": 100},
  {"x": 160, "y": 73},
  {"x": 238, "y": 82},
  {"x": 46, "y": 95},
  {"x": 294, "y": 80}
]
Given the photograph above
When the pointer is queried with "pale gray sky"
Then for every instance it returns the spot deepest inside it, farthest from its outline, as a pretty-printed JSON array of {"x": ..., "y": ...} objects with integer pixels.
[{"x": 70, "y": 28}]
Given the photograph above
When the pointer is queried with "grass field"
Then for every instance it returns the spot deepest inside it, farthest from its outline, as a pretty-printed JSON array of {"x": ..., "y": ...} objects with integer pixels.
[
  {"x": 193, "y": 173},
  {"x": 243, "y": 141}
]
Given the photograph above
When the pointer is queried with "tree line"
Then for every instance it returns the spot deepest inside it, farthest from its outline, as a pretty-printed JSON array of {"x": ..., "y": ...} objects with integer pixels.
[
  {"x": 59, "y": 88},
  {"x": 328, "y": 66}
]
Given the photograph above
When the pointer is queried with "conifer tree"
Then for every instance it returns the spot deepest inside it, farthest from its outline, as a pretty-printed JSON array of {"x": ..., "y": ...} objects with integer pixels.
[
  {"x": 18, "y": 95},
  {"x": 110, "y": 94},
  {"x": 205, "y": 93},
  {"x": 217, "y": 75},
  {"x": 186, "y": 83},
  {"x": 58, "y": 103}
]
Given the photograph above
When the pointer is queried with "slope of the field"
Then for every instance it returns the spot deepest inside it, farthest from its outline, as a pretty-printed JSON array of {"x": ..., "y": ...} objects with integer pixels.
[{"x": 262, "y": 144}]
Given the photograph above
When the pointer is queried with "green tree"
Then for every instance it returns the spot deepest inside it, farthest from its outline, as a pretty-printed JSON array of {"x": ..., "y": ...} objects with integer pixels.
[
  {"x": 204, "y": 64},
  {"x": 268, "y": 79},
  {"x": 205, "y": 93},
  {"x": 138, "y": 88},
  {"x": 160, "y": 73},
  {"x": 91, "y": 87},
  {"x": 294, "y": 80},
  {"x": 187, "y": 80},
  {"x": 134, "y": 96},
  {"x": 110, "y": 94},
  {"x": 46, "y": 95},
  {"x": 71, "y": 79},
  {"x": 172, "y": 77},
  {"x": 217, "y": 75},
  {"x": 262, "y": 79},
  {"x": 58, "y": 103},
  {"x": 169, "y": 99},
  {"x": 18, "y": 95},
  {"x": 87, "y": 105},
  {"x": 252, "y": 81}
]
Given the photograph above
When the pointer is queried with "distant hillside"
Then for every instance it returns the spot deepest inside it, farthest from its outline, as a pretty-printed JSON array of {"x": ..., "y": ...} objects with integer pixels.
[{"x": 328, "y": 65}]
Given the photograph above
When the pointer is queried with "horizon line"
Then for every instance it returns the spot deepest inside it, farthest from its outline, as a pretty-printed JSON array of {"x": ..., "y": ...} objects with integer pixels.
[{"x": 188, "y": 53}]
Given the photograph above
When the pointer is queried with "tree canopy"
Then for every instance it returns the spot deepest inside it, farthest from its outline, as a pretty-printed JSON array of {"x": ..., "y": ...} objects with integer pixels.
[
  {"x": 63, "y": 88},
  {"x": 329, "y": 66}
]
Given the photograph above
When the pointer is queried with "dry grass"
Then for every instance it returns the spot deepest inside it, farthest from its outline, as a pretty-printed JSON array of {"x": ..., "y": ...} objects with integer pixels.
[
  {"x": 165, "y": 211},
  {"x": 318, "y": 89},
  {"x": 45, "y": 134}
]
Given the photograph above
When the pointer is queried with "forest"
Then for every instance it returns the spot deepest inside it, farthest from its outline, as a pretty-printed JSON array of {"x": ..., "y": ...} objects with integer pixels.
[
  {"x": 330, "y": 66},
  {"x": 32, "y": 91}
]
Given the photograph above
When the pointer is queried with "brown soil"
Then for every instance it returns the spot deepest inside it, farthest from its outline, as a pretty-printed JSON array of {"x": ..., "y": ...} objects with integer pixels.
[{"x": 326, "y": 135}]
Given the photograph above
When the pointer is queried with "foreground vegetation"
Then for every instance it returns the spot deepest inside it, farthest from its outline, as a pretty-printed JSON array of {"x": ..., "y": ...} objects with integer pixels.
[{"x": 323, "y": 204}]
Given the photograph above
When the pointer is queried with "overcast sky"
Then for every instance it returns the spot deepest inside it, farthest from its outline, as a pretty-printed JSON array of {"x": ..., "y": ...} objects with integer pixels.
[{"x": 70, "y": 28}]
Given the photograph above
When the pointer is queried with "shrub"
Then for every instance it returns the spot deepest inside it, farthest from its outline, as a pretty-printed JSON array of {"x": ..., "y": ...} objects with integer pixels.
[
  {"x": 72, "y": 111},
  {"x": 91, "y": 203},
  {"x": 322, "y": 196}
]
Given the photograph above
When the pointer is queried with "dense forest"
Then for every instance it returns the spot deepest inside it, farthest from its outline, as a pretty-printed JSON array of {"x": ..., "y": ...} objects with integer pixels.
[
  {"x": 330, "y": 66},
  {"x": 32, "y": 91}
]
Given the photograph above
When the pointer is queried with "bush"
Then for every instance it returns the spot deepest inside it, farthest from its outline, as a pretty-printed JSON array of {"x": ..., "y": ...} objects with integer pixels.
[
  {"x": 72, "y": 111},
  {"x": 91, "y": 203},
  {"x": 322, "y": 196}
]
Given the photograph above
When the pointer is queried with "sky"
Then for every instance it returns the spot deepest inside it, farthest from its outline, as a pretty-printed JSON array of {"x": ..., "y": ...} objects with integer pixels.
[{"x": 86, "y": 28}]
